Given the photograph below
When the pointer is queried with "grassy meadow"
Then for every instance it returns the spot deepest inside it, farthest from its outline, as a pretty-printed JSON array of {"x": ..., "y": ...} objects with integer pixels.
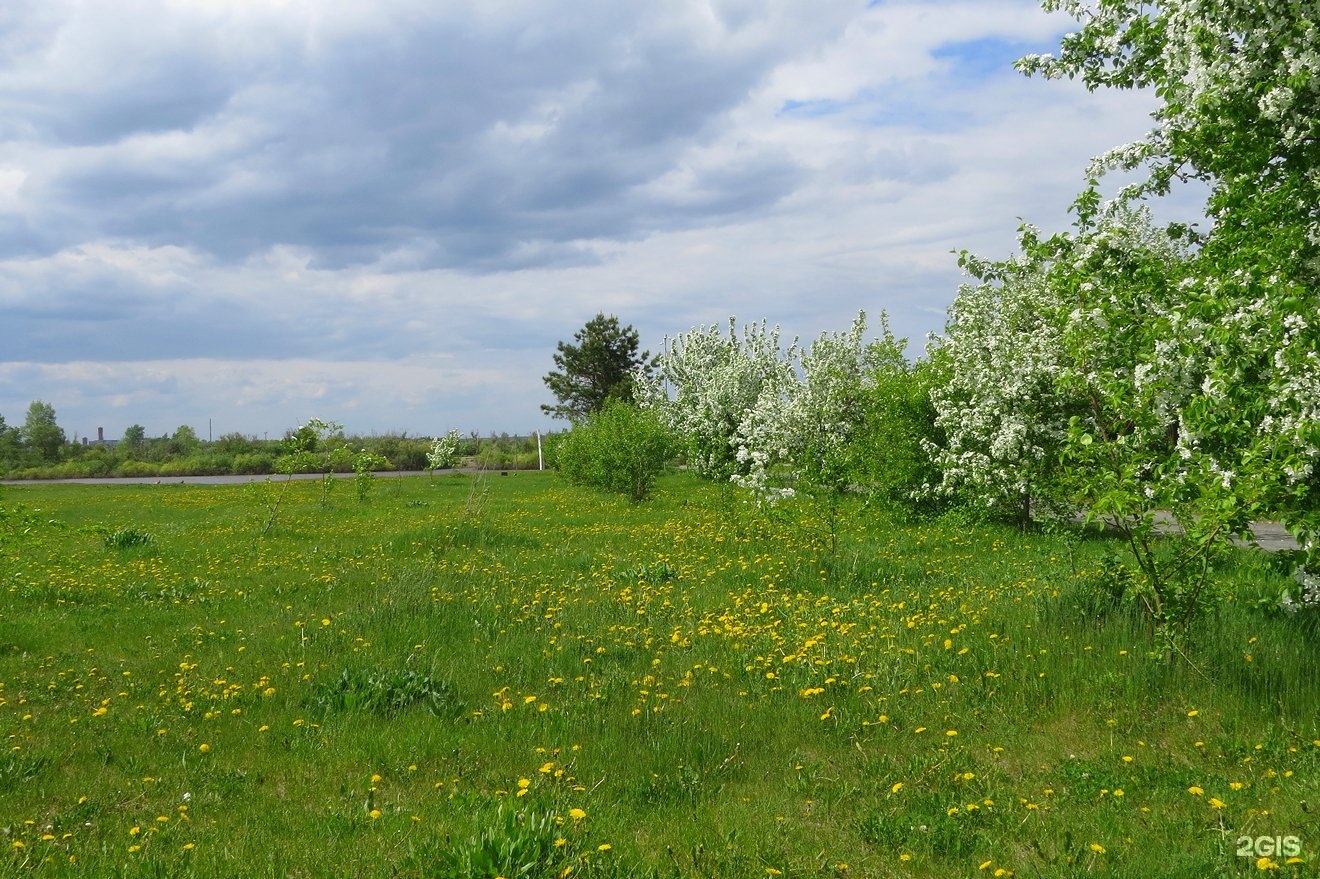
[{"x": 509, "y": 676}]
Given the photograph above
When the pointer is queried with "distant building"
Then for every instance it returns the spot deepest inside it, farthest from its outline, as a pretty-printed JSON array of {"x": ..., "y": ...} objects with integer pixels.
[{"x": 101, "y": 440}]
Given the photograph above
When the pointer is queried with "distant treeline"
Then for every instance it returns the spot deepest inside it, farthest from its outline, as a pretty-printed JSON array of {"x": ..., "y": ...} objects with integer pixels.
[{"x": 39, "y": 449}]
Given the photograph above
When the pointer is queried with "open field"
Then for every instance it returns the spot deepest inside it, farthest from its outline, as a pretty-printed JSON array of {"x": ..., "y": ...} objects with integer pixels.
[{"x": 467, "y": 668}]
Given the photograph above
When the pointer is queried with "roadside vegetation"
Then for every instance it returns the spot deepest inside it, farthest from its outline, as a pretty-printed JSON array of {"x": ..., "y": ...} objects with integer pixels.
[{"x": 39, "y": 449}]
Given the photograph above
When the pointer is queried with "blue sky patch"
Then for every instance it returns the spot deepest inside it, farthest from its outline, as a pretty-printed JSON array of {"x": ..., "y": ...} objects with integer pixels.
[
  {"x": 983, "y": 57},
  {"x": 812, "y": 108}
]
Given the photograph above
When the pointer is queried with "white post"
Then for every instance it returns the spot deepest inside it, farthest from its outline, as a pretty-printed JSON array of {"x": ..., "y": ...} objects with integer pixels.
[{"x": 540, "y": 459}]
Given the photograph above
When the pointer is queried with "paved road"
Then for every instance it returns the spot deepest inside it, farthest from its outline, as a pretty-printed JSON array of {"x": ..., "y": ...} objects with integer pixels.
[{"x": 1272, "y": 537}]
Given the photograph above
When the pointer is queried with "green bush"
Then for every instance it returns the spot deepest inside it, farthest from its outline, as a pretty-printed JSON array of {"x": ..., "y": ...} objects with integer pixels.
[
  {"x": 137, "y": 468},
  {"x": 198, "y": 465},
  {"x": 888, "y": 458},
  {"x": 621, "y": 449},
  {"x": 254, "y": 463}
]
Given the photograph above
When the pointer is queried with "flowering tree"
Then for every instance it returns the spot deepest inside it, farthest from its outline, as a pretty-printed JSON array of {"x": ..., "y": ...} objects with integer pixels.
[
  {"x": 443, "y": 453},
  {"x": 1239, "y": 82},
  {"x": 779, "y": 421},
  {"x": 725, "y": 388},
  {"x": 997, "y": 401}
]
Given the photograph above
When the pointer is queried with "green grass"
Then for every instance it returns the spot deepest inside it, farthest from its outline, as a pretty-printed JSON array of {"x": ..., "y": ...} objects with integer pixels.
[{"x": 430, "y": 683}]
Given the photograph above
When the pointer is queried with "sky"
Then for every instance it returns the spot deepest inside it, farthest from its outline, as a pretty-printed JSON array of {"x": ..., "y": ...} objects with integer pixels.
[{"x": 241, "y": 214}]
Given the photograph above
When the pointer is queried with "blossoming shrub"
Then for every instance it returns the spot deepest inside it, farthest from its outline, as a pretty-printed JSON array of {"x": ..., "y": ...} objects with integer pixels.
[
  {"x": 715, "y": 390},
  {"x": 443, "y": 453},
  {"x": 841, "y": 414},
  {"x": 996, "y": 399}
]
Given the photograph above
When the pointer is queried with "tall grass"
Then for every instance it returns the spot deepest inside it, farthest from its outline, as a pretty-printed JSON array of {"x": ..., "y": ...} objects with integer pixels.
[{"x": 518, "y": 677}]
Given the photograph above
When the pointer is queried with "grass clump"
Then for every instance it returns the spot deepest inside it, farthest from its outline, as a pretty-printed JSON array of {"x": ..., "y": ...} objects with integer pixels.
[
  {"x": 386, "y": 693},
  {"x": 128, "y": 538}
]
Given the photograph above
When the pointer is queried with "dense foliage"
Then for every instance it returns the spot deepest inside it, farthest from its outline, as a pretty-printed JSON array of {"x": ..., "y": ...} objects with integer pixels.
[{"x": 621, "y": 448}]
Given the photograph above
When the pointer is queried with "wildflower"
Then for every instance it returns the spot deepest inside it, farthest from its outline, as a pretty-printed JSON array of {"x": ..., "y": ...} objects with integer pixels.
[{"x": 1097, "y": 848}]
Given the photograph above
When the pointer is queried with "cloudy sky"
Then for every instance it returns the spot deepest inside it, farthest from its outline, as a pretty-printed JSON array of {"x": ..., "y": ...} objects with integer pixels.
[{"x": 245, "y": 213}]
